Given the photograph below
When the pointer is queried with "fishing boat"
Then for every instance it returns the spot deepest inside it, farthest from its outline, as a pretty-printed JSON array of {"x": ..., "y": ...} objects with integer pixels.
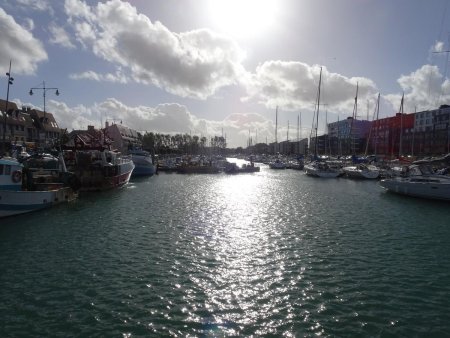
[
  {"x": 419, "y": 181},
  {"x": 24, "y": 191},
  {"x": 143, "y": 163},
  {"x": 90, "y": 155},
  {"x": 99, "y": 170},
  {"x": 197, "y": 169},
  {"x": 363, "y": 171}
]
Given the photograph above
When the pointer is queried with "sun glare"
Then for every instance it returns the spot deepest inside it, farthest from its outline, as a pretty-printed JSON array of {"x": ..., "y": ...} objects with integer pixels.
[{"x": 243, "y": 18}]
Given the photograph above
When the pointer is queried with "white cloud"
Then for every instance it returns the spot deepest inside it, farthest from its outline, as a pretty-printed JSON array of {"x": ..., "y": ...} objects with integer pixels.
[
  {"x": 294, "y": 85},
  {"x": 28, "y": 24},
  {"x": 438, "y": 47},
  {"x": 19, "y": 45},
  {"x": 167, "y": 118},
  {"x": 190, "y": 64},
  {"x": 424, "y": 89},
  {"x": 59, "y": 36},
  {"x": 118, "y": 77},
  {"x": 37, "y": 5}
]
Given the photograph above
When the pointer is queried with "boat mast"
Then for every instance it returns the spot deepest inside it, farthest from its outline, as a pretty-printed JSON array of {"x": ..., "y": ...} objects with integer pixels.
[
  {"x": 317, "y": 114},
  {"x": 401, "y": 126},
  {"x": 287, "y": 139},
  {"x": 378, "y": 124},
  {"x": 298, "y": 137},
  {"x": 354, "y": 115},
  {"x": 276, "y": 128},
  {"x": 414, "y": 132},
  {"x": 371, "y": 126}
]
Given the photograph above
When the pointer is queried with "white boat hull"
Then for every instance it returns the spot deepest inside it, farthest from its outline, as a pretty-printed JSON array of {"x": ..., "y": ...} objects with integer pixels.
[
  {"x": 355, "y": 172},
  {"x": 20, "y": 202},
  {"x": 432, "y": 187},
  {"x": 323, "y": 173}
]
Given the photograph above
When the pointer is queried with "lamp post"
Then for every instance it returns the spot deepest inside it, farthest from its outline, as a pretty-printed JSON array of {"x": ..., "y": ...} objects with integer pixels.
[
  {"x": 10, "y": 82},
  {"x": 44, "y": 91}
]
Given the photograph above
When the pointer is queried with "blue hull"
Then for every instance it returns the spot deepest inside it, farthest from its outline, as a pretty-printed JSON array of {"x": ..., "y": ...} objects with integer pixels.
[{"x": 143, "y": 171}]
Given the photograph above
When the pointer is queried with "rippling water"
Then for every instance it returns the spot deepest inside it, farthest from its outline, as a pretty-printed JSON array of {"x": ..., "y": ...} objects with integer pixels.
[{"x": 270, "y": 253}]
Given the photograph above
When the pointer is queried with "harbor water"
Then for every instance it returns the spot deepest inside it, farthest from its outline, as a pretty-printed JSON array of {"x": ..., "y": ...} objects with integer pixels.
[{"x": 274, "y": 253}]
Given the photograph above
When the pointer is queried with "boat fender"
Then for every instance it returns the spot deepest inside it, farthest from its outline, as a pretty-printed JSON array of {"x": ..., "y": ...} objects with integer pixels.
[{"x": 16, "y": 176}]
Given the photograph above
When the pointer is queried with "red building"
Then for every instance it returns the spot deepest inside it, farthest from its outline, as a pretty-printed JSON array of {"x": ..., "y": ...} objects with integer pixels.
[{"x": 393, "y": 136}]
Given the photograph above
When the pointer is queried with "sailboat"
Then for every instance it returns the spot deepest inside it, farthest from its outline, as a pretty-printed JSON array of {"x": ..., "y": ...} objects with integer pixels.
[
  {"x": 361, "y": 170},
  {"x": 277, "y": 163},
  {"x": 317, "y": 168}
]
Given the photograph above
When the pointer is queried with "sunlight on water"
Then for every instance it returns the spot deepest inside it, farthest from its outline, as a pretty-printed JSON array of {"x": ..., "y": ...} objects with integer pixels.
[
  {"x": 248, "y": 282},
  {"x": 273, "y": 253}
]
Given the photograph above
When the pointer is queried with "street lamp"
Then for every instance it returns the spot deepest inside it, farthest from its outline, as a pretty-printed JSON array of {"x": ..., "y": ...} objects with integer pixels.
[
  {"x": 10, "y": 82},
  {"x": 44, "y": 90}
]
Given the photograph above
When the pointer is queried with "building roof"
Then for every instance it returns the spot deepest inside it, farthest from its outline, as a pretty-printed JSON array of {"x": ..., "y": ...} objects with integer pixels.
[
  {"x": 49, "y": 124},
  {"x": 11, "y": 105}
]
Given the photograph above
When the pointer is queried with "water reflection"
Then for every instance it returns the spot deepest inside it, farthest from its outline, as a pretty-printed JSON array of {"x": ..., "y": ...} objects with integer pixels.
[{"x": 250, "y": 283}]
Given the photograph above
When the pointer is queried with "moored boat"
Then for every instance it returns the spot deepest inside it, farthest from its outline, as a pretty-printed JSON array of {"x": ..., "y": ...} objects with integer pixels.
[
  {"x": 362, "y": 171},
  {"x": 20, "y": 193},
  {"x": 197, "y": 169},
  {"x": 322, "y": 169},
  {"x": 277, "y": 164},
  {"x": 419, "y": 181},
  {"x": 143, "y": 163},
  {"x": 233, "y": 168},
  {"x": 99, "y": 170}
]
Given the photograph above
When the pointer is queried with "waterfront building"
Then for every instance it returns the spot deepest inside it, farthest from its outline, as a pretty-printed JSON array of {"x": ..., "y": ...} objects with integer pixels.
[
  {"x": 45, "y": 127},
  {"x": 13, "y": 123},
  {"x": 432, "y": 132},
  {"x": 345, "y": 137},
  {"x": 27, "y": 126},
  {"x": 299, "y": 147},
  {"x": 88, "y": 139},
  {"x": 124, "y": 138},
  {"x": 393, "y": 136}
]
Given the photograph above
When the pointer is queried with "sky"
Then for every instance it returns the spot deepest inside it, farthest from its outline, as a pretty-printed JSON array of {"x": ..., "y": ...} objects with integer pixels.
[{"x": 222, "y": 67}]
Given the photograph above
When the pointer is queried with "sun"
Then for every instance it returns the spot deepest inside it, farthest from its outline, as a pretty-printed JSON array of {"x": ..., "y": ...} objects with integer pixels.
[{"x": 243, "y": 18}]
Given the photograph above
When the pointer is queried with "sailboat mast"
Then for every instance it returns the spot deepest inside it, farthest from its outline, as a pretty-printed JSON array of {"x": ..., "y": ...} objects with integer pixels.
[
  {"x": 371, "y": 126},
  {"x": 287, "y": 139},
  {"x": 287, "y": 134},
  {"x": 354, "y": 115},
  {"x": 318, "y": 108},
  {"x": 298, "y": 137},
  {"x": 376, "y": 135},
  {"x": 276, "y": 129},
  {"x": 401, "y": 127}
]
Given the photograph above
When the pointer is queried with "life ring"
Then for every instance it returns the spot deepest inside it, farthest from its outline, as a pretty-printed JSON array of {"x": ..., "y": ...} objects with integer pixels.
[{"x": 16, "y": 176}]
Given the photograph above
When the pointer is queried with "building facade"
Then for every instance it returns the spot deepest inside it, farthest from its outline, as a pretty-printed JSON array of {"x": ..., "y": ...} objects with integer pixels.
[
  {"x": 27, "y": 126},
  {"x": 124, "y": 138}
]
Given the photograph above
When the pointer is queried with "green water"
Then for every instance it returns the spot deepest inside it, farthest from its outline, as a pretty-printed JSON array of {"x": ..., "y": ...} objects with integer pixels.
[{"x": 272, "y": 253}]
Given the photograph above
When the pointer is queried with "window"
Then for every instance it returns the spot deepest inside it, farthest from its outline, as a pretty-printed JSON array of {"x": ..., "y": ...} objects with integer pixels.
[
  {"x": 1, "y": 169},
  {"x": 7, "y": 170}
]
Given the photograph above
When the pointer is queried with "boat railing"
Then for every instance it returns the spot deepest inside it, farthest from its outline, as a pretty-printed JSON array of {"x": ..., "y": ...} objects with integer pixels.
[{"x": 123, "y": 159}]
